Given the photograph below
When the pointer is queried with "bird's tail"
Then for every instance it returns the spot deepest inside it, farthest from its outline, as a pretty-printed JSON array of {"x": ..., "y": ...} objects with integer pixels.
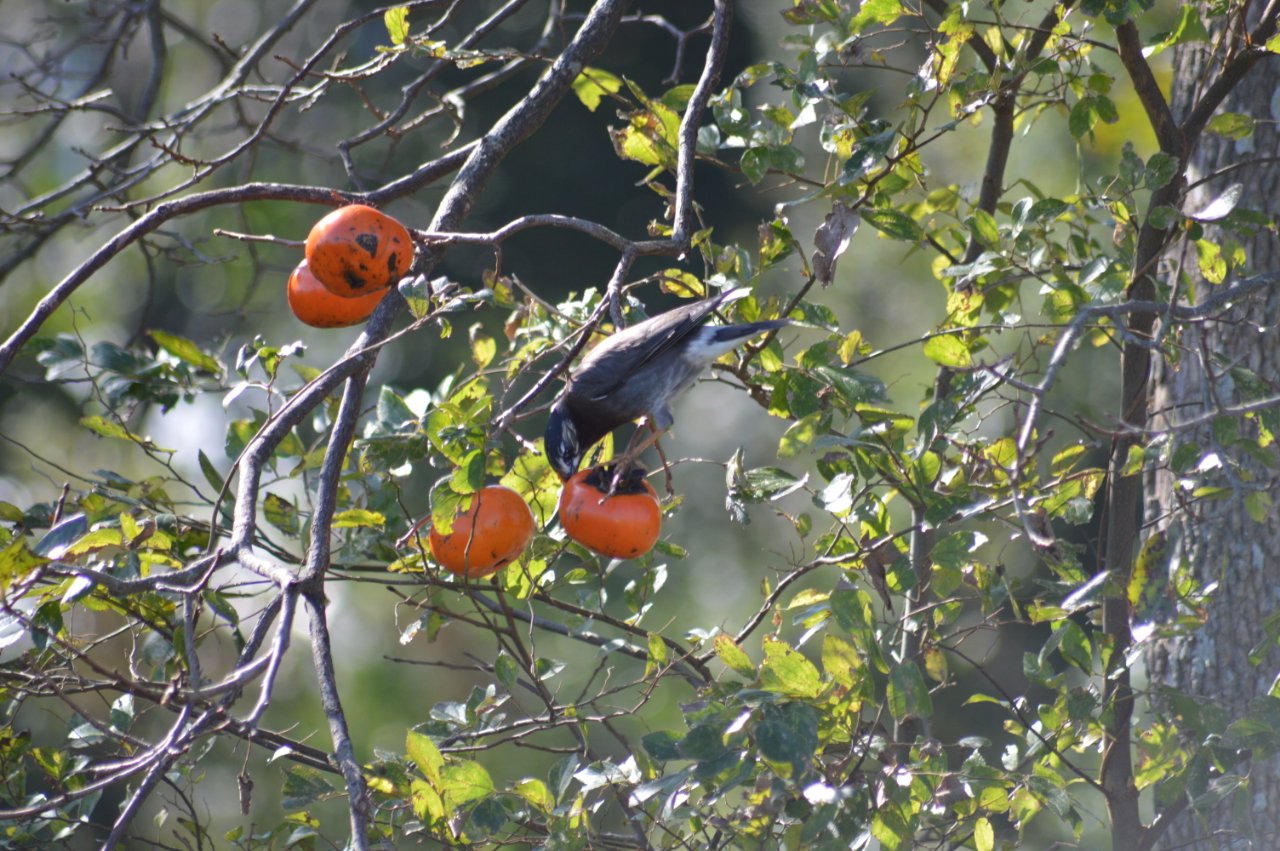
[{"x": 715, "y": 340}]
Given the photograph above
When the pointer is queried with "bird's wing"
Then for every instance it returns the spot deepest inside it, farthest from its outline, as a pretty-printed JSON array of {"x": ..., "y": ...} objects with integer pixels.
[{"x": 615, "y": 361}]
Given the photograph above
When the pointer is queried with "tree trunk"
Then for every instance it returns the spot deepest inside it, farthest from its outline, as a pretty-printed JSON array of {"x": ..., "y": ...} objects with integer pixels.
[{"x": 1218, "y": 539}]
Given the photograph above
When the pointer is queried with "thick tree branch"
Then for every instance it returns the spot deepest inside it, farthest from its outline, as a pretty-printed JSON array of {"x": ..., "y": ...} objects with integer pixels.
[{"x": 1144, "y": 82}]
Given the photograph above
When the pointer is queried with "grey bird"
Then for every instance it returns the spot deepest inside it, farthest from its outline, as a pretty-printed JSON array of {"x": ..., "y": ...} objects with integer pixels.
[{"x": 636, "y": 373}]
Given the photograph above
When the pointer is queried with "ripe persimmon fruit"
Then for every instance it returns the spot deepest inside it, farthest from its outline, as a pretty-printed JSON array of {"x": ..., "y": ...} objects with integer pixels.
[
  {"x": 487, "y": 537},
  {"x": 624, "y": 524},
  {"x": 356, "y": 249},
  {"x": 313, "y": 304}
]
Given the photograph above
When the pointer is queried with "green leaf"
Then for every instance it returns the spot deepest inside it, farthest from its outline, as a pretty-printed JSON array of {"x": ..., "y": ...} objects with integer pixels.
[
  {"x": 1213, "y": 266},
  {"x": 464, "y": 782},
  {"x": 894, "y": 224},
  {"x": 1232, "y": 125},
  {"x": 104, "y": 427},
  {"x": 661, "y": 745},
  {"x": 489, "y": 815},
  {"x": 651, "y": 136},
  {"x": 507, "y": 670},
  {"x": 427, "y": 805},
  {"x": 303, "y": 787},
  {"x": 984, "y": 836},
  {"x": 593, "y": 84},
  {"x": 98, "y": 539},
  {"x": 632, "y": 145},
  {"x": 16, "y": 561},
  {"x": 907, "y": 694},
  {"x": 658, "y": 653},
  {"x": 948, "y": 350},
  {"x": 218, "y": 602},
  {"x": 1082, "y": 118},
  {"x": 935, "y": 664},
  {"x": 788, "y": 734},
  {"x": 359, "y": 518},
  {"x": 468, "y": 477},
  {"x": 1160, "y": 169},
  {"x": 47, "y": 622},
  {"x": 754, "y": 164},
  {"x": 889, "y": 826},
  {"x": 984, "y": 228},
  {"x": 536, "y": 793},
  {"x": 734, "y": 657},
  {"x": 876, "y": 12},
  {"x": 240, "y": 432},
  {"x": 1105, "y": 108},
  {"x": 705, "y": 742},
  {"x": 802, "y": 433},
  {"x": 1047, "y": 209},
  {"x": 483, "y": 350},
  {"x": 424, "y": 753},
  {"x": 397, "y": 23},
  {"x": 211, "y": 474},
  {"x": 681, "y": 283},
  {"x": 771, "y": 482},
  {"x": 446, "y": 504},
  {"x": 1258, "y": 504},
  {"x": 787, "y": 671},
  {"x": 393, "y": 412},
  {"x": 281, "y": 513},
  {"x": 1133, "y": 461},
  {"x": 1146, "y": 580},
  {"x": 1075, "y": 647},
  {"x": 852, "y": 346},
  {"x": 1273, "y": 44},
  {"x": 1189, "y": 28},
  {"x": 187, "y": 351},
  {"x": 841, "y": 661}
]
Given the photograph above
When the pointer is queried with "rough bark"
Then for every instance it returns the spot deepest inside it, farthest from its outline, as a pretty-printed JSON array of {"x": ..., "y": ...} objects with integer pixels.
[{"x": 1218, "y": 538}]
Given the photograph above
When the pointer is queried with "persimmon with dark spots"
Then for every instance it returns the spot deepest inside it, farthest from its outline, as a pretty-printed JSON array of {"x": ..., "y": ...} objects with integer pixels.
[
  {"x": 356, "y": 250},
  {"x": 489, "y": 535},
  {"x": 313, "y": 303},
  {"x": 622, "y": 524}
]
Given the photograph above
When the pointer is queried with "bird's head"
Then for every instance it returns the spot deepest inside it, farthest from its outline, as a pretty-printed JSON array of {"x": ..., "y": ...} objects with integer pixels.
[{"x": 561, "y": 441}]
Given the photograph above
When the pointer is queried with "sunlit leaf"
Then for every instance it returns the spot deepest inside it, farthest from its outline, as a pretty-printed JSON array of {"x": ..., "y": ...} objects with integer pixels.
[
  {"x": 734, "y": 656},
  {"x": 104, "y": 427},
  {"x": 186, "y": 350},
  {"x": 593, "y": 85},
  {"x": 396, "y": 21},
  {"x": 463, "y": 782},
  {"x": 359, "y": 518},
  {"x": 788, "y": 672},
  {"x": 1189, "y": 28},
  {"x": 948, "y": 350},
  {"x": 894, "y": 224},
  {"x": 424, "y": 753}
]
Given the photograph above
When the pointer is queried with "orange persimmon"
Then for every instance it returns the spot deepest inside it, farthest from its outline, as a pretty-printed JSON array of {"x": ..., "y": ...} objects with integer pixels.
[
  {"x": 624, "y": 524},
  {"x": 314, "y": 305},
  {"x": 491, "y": 534},
  {"x": 356, "y": 249}
]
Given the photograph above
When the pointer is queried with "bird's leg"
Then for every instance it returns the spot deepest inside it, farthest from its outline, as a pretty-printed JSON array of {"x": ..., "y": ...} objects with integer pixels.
[
  {"x": 666, "y": 467},
  {"x": 635, "y": 448}
]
